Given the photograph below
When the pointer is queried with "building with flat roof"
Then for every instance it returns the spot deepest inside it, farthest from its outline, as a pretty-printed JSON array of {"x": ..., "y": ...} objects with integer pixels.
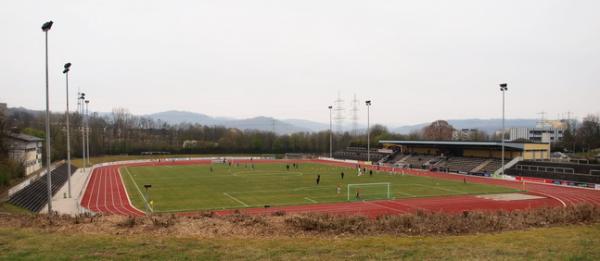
[
  {"x": 543, "y": 134},
  {"x": 25, "y": 149},
  {"x": 471, "y": 148}
]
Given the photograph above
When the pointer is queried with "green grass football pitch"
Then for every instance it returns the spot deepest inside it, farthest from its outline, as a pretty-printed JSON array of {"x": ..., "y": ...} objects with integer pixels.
[{"x": 196, "y": 187}]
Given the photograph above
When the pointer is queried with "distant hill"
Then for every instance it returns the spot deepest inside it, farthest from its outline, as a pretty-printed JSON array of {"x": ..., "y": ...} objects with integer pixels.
[
  {"x": 257, "y": 123},
  {"x": 487, "y": 125},
  {"x": 288, "y": 126},
  {"x": 311, "y": 125},
  {"x": 177, "y": 117}
]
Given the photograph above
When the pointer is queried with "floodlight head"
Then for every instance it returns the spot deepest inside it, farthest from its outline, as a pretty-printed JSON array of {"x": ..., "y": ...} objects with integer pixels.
[
  {"x": 82, "y": 96},
  {"x": 46, "y": 26},
  {"x": 87, "y": 101},
  {"x": 66, "y": 70},
  {"x": 330, "y": 107},
  {"x": 67, "y": 65},
  {"x": 368, "y": 103},
  {"x": 503, "y": 86}
]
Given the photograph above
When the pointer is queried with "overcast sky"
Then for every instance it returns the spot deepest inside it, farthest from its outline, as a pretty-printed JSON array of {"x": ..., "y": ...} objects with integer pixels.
[{"x": 417, "y": 60}]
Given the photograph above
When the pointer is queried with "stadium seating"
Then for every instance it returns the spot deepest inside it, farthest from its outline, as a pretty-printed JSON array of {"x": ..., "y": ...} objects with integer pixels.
[
  {"x": 395, "y": 158},
  {"x": 492, "y": 166},
  {"x": 35, "y": 196},
  {"x": 554, "y": 170},
  {"x": 461, "y": 164},
  {"x": 357, "y": 153},
  {"x": 416, "y": 161},
  {"x": 577, "y": 168}
]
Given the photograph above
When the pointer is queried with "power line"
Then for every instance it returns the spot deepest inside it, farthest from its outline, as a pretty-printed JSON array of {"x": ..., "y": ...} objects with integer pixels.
[
  {"x": 339, "y": 113},
  {"x": 355, "y": 116}
]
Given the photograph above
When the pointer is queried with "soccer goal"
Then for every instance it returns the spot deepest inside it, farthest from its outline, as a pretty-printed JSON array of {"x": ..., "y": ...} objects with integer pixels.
[{"x": 366, "y": 191}]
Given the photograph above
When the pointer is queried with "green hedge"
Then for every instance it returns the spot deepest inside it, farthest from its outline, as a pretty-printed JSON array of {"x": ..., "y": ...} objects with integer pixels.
[{"x": 10, "y": 171}]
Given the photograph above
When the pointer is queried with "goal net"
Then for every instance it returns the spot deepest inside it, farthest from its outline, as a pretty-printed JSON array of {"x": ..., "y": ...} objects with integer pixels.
[{"x": 369, "y": 191}]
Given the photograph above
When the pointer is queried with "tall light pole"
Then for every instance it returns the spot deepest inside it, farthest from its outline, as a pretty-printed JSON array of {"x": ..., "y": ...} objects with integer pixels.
[
  {"x": 46, "y": 27},
  {"x": 368, "y": 103},
  {"x": 330, "y": 134},
  {"x": 66, "y": 72},
  {"x": 87, "y": 133},
  {"x": 81, "y": 100},
  {"x": 503, "y": 89}
]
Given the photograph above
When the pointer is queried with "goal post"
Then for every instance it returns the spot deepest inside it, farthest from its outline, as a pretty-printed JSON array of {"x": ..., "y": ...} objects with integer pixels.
[{"x": 360, "y": 191}]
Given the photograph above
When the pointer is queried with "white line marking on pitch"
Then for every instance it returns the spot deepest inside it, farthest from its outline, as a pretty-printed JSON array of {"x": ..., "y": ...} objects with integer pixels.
[
  {"x": 237, "y": 200},
  {"x": 311, "y": 200},
  {"x": 138, "y": 189},
  {"x": 441, "y": 188}
]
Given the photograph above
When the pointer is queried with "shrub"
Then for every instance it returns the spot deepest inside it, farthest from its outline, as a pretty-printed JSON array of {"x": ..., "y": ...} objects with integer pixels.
[
  {"x": 164, "y": 221},
  {"x": 422, "y": 223},
  {"x": 129, "y": 222}
]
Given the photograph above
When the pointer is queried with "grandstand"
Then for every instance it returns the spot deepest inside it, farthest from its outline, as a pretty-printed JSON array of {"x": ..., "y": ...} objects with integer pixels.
[
  {"x": 478, "y": 158},
  {"x": 484, "y": 158},
  {"x": 35, "y": 196}
]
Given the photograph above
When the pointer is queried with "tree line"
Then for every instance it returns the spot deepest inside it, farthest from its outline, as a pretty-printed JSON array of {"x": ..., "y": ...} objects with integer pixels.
[{"x": 121, "y": 132}]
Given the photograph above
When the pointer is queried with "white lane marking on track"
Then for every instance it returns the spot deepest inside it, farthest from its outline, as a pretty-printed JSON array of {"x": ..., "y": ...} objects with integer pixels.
[
  {"x": 99, "y": 203},
  {"x": 234, "y": 198},
  {"x": 550, "y": 196},
  {"x": 115, "y": 191},
  {"x": 311, "y": 200},
  {"x": 91, "y": 190},
  {"x": 112, "y": 195},
  {"x": 138, "y": 189},
  {"x": 98, "y": 191}
]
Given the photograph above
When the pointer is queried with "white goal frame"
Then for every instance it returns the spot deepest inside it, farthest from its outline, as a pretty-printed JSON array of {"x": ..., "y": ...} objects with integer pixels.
[{"x": 388, "y": 184}]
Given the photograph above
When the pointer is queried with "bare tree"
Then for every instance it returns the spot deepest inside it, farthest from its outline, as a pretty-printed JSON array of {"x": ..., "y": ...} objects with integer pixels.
[{"x": 438, "y": 130}]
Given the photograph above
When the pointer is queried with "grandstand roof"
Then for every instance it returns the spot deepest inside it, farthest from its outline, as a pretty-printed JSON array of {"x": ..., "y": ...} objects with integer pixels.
[{"x": 477, "y": 144}]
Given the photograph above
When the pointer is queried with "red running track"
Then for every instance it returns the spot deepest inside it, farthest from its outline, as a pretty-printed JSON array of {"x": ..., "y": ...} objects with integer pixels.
[{"x": 105, "y": 193}]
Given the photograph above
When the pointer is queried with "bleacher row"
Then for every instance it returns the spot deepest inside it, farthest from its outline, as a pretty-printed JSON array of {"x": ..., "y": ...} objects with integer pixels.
[
  {"x": 587, "y": 169},
  {"x": 35, "y": 196},
  {"x": 355, "y": 153},
  {"x": 452, "y": 164},
  {"x": 588, "y": 173}
]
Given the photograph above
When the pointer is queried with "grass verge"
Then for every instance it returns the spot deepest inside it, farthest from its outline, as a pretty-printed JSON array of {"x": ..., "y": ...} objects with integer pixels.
[{"x": 558, "y": 243}]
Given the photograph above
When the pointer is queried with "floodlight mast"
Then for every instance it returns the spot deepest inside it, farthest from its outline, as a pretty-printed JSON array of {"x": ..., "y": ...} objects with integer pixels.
[
  {"x": 87, "y": 131},
  {"x": 368, "y": 103},
  {"x": 45, "y": 28},
  {"x": 503, "y": 89},
  {"x": 330, "y": 134},
  {"x": 66, "y": 72},
  {"x": 82, "y": 99}
]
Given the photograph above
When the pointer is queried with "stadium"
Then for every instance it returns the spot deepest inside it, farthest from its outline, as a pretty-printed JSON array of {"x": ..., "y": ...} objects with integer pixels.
[
  {"x": 414, "y": 176},
  {"x": 408, "y": 176},
  {"x": 300, "y": 130}
]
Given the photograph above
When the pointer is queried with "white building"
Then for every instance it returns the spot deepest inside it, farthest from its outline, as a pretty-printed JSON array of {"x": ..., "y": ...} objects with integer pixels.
[
  {"x": 25, "y": 149},
  {"x": 464, "y": 134},
  {"x": 546, "y": 131}
]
